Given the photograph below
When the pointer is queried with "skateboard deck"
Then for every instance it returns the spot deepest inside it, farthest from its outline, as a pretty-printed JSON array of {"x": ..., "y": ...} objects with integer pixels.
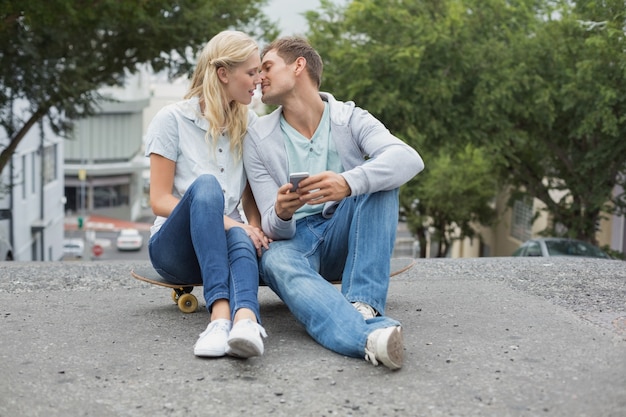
[{"x": 188, "y": 303}]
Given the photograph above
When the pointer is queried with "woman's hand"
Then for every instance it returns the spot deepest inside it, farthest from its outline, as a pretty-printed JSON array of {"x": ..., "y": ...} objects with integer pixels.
[
  {"x": 250, "y": 209},
  {"x": 258, "y": 238}
]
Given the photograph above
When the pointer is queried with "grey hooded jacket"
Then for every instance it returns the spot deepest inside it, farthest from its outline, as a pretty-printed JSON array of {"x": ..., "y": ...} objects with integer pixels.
[{"x": 373, "y": 159}]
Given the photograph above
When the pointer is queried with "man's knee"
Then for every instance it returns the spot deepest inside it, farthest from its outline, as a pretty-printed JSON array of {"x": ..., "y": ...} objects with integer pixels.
[{"x": 268, "y": 259}]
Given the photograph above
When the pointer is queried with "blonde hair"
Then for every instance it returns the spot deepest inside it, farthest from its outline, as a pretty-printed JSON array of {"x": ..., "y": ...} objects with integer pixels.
[{"x": 227, "y": 49}]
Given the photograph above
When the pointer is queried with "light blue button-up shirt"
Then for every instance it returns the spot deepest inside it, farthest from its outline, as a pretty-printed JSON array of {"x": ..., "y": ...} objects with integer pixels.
[{"x": 178, "y": 132}]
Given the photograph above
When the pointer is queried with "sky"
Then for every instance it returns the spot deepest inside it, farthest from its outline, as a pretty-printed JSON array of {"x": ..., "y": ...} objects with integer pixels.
[{"x": 288, "y": 14}]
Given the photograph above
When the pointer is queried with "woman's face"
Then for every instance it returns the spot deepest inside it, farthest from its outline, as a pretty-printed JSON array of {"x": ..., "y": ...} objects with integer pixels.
[{"x": 240, "y": 83}]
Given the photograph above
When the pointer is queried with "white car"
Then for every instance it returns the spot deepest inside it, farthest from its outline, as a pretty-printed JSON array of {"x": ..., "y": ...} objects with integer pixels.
[
  {"x": 129, "y": 239},
  {"x": 558, "y": 246},
  {"x": 73, "y": 248}
]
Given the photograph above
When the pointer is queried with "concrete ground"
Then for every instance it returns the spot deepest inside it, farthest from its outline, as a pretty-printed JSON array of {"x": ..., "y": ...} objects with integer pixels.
[{"x": 483, "y": 337}]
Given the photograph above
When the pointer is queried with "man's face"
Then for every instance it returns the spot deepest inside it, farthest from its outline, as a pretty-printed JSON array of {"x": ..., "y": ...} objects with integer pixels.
[{"x": 277, "y": 78}]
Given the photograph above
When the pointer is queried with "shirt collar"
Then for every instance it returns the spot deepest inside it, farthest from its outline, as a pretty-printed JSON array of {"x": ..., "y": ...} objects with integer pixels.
[{"x": 190, "y": 109}]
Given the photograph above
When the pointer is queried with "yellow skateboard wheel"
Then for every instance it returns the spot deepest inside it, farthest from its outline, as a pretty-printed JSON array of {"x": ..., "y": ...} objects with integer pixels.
[{"x": 187, "y": 303}]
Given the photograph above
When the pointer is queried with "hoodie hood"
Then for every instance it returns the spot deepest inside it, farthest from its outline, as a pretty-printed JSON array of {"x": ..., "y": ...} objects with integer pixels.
[{"x": 339, "y": 115}]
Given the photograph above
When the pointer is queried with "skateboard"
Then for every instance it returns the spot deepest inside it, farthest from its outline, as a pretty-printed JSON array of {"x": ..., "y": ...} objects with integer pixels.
[{"x": 188, "y": 303}]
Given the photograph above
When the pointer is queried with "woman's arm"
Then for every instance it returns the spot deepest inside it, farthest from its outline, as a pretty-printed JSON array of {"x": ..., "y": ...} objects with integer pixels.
[
  {"x": 250, "y": 208},
  {"x": 162, "y": 172},
  {"x": 253, "y": 228}
]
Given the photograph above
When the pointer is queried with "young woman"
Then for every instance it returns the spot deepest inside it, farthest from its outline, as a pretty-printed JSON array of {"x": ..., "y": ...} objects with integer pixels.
[{"x": 197, "y": 182}]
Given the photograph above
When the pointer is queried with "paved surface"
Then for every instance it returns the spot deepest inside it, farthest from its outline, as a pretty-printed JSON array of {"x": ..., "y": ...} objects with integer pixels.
[{"x": 483, "y": 337}]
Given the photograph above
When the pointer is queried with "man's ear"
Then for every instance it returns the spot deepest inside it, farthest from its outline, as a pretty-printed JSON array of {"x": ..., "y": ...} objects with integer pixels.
[
  {"x": 222, "y": 74},
  {"x": 300, "y": 65}
]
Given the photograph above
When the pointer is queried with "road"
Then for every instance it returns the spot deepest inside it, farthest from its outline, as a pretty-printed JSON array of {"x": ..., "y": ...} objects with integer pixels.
[
  {"x": 483, "y": 337},
  {"x": 405, "y": 244},
  {"x": 106, "y": 239}
]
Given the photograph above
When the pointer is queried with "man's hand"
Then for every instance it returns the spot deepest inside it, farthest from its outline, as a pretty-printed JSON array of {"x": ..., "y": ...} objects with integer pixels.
[
  {"x": 287, "y": 202},
  {"x": 316, "y": 189},
  {"x": 323, "y": 187}
]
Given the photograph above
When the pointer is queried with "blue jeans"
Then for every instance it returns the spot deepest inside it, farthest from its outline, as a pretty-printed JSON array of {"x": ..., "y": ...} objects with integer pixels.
[
  {"x": 192, "y": 244},
  {"x": 354, "y": 245}
]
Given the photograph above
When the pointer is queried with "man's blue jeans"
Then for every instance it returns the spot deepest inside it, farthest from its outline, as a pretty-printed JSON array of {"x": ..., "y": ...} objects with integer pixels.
[
  {"x": 354, "y": 245},
  {"x": 192, "y": 245}
]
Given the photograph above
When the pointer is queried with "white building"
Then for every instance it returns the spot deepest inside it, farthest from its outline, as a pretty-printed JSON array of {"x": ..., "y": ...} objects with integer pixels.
[
  {"x": 31, "y": 201},
  {"x": 104, "y": 163},
  {"x": 99, "y": 171}
]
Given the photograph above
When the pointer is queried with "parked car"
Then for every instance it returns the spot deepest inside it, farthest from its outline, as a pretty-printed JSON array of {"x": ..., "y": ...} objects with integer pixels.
[
  {"x": 555, "y": 246},
  {"x": 129, "y": 239},
  {"x": 6, "y": 251},
  {"x": 73, "y": 247}
]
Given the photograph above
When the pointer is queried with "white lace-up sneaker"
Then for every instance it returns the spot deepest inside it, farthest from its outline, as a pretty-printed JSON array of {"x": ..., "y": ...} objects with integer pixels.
[
  {"x": 245, "y": 339},
  {"x": 385, "y": 345},
  {"x": 213, "y": 341},
  {"x": 366, "y": 310}
]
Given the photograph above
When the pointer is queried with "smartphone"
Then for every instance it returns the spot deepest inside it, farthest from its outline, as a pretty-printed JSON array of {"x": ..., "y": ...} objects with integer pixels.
[{"x": 295, "y": 179}]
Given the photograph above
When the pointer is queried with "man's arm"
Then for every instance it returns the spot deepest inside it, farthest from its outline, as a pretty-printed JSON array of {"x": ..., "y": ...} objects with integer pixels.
[
  {"x": 391, "y": 162},
  {"x": 265, "y": 189}
]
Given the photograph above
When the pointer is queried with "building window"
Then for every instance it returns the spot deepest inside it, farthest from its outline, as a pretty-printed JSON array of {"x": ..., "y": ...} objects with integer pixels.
[
  {"x": 24, "y": 177},
  {"x": 522, "y": 219},
  {"x": 95, "y": 197},
  {"x": 33, "y": 173},
  {"x": 50, "y": 164}
]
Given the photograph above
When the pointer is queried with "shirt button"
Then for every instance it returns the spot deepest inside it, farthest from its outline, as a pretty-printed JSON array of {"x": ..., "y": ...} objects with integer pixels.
[
  {"x": 221, "y": 169},
  {"x": 219, "y": 149}
]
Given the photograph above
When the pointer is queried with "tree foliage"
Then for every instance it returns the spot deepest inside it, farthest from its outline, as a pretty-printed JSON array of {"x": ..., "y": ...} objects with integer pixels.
[
  {"x": 537, "y": 85},
  {"x": 566, "y": 112},
  {"x": 55, "y": 54},
  {"x": 406, "y": 63},
  {"x": 455, "y": 195}
]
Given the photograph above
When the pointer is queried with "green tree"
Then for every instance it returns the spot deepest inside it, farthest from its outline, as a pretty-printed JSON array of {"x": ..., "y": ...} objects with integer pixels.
[
  {"x": 536, "y": 84},
  {"x": 560, "y": 93},
  {"x": 55, "y": 54},
  {"x": 413, "y": 64},
  {"x": 453, "y": 195}
]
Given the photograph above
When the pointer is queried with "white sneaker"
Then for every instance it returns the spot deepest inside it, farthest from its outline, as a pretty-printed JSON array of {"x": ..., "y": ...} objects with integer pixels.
[
  {"x": 385, "y": 345},
  {"x": 366, "y": 310},
  {"x": 213, "y": 341},
  {"x": 245, "y": 339}
]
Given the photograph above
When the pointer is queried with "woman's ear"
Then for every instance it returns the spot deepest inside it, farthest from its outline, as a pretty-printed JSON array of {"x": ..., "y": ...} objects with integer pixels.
[{"x": 222, "y": 74}]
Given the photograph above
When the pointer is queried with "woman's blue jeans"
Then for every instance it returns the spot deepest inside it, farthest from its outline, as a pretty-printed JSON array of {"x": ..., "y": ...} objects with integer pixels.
[
  {"x": 354, "y": 245},
  {"x": 193, "y": 244}
]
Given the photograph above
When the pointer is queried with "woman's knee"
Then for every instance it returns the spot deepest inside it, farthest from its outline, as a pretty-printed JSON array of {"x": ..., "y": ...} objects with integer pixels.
[
  {"x": 206, "y": 186},
  {"x": 238, "y": 239},
  {"x": 238, "y": 236}
]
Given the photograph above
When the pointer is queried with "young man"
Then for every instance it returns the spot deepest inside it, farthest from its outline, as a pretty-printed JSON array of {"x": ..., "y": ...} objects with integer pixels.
[{"x": 340, "y": 223}]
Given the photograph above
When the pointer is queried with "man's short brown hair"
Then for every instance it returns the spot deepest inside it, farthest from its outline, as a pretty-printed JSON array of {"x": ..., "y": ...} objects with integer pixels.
[{"x": 291, "y": 48}]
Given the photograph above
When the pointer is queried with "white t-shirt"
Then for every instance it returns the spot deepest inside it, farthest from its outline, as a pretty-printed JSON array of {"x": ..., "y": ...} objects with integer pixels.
[
  {"x": 178, "y": 133},
  {"x": 313, "y": 155}
]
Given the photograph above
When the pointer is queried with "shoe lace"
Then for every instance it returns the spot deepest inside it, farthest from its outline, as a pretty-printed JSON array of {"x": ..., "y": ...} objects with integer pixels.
[
  {"x": 370, "y": 351},
  {"x": 261, "y": 330},
  {"x": 217, "y": 325},
  {"x": 366, "y": 310},
  {"x": 258, "y": 326},
  {"x": 370, "y": 356}
]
